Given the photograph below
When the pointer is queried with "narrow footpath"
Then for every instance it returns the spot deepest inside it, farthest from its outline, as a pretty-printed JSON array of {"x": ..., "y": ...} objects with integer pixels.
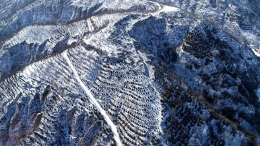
[{"x": 93, "y": 100}]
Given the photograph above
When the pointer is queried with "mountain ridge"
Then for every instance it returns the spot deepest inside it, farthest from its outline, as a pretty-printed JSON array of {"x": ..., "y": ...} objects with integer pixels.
[{"x": 137, "y": 73}]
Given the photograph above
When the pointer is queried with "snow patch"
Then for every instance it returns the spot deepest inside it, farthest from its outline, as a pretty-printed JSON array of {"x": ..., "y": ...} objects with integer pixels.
[
  {"x": 256, "y": 53},
  {"x": 166, "y": 8},
  {"x": 169, "y": 8}
]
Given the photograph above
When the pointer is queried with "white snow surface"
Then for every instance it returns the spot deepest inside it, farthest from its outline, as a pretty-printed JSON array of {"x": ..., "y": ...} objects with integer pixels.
[
  {"x": 166, "y": 8},
  {"x": 94, "y": 101},
  {"x": 257, "y": 54}
]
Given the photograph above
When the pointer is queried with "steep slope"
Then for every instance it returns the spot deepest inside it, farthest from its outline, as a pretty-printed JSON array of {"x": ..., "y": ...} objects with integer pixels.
[{"x": 129, "y": 73}]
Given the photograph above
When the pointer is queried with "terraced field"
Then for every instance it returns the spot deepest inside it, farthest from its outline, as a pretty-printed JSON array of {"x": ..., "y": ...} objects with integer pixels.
[{"x": 102, "y": 72}]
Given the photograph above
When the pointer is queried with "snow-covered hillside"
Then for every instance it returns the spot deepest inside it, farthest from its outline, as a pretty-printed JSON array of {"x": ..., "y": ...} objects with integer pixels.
[{"x": 121, "y": 72}]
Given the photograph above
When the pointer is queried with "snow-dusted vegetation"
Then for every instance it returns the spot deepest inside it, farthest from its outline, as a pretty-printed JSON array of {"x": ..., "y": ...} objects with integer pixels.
[{"x": 140, "y": 72}]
